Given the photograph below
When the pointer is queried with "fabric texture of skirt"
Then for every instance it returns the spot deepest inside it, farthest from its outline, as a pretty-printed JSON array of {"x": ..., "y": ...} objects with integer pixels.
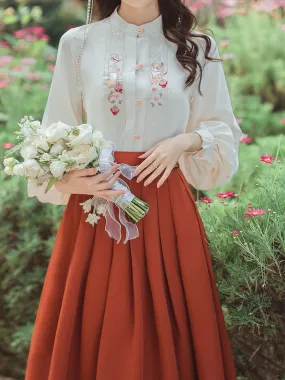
[{"x": 145, "y": 310}]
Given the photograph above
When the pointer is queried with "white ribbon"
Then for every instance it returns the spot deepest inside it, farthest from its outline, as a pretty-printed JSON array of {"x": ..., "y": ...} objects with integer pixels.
[{"x": 113, "y": 227}]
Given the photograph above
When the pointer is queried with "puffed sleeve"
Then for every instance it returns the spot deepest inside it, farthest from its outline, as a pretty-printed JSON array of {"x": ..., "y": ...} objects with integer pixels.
[
  {"x": 211, "y": 116},
  {"x": 64, "y": 104}
]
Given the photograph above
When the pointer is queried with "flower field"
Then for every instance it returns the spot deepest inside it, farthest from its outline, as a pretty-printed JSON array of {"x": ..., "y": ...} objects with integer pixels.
[{"x": 244, "y": 221}]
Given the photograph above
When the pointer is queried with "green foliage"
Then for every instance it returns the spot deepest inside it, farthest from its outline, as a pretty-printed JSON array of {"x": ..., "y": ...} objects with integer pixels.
[
  {"x": 254, "y": 65},
  {"x": 250, "y": 267},
  {"x": 27, "y": 238}
]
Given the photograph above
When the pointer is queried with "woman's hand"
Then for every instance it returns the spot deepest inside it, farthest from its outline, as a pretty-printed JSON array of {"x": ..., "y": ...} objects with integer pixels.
[
  {"x": 164, "y": 155},
  {"x": 86, "y": 182}
]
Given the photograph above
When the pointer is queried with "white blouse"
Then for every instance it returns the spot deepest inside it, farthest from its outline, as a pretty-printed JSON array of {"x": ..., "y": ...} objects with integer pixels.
[{"x": 132, "y": 90}]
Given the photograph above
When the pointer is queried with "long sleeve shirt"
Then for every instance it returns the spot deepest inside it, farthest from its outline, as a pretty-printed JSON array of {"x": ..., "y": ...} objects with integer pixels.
[{"x": 132, "y": 89}]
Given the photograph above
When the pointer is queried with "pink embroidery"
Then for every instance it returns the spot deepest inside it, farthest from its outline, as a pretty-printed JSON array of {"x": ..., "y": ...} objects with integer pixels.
[
  {"x": 159, "y": 82},
  {"x": 115, "y": 82}
]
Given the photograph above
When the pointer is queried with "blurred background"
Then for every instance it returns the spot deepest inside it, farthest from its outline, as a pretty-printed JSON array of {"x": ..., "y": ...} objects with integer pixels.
[{"x": 244, "y": 221}]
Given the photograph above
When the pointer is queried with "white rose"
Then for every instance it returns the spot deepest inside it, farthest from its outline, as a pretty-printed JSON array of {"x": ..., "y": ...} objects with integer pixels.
[
  {"x": 33, "y": 169},
  {"x": 57, "y": 168},
  {"x": 40, "y": 142},
  {"x": 8, "y": 170},
  {"x": 19, "y": 170},
  {"x": 57, "y": 131},
  {"x": 10, "y": 161},
  {"x": 28, "y": 151},
  {"x": 82, "y": 155},
  {"x": 97, "y": 138},
  {"x": 56, "y": 149},
  {"x": 82, "y": 135}
]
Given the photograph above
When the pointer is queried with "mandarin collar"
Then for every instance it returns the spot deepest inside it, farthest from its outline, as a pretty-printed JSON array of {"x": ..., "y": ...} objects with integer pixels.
[{"x": 144, "y": 30}]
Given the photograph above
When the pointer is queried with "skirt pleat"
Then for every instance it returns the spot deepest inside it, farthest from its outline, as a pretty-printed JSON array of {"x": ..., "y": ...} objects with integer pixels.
[{"x": 145, "y": 310}]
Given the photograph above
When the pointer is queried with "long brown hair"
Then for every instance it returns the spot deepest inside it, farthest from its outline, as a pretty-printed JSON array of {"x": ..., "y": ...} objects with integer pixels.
[{"x": 178, "y": 23}]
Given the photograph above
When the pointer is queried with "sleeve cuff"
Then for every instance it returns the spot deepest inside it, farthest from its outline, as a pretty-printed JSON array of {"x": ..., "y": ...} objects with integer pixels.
[
  {"x": 207, "y": 143},
  {"x": 53, "y": 196}
]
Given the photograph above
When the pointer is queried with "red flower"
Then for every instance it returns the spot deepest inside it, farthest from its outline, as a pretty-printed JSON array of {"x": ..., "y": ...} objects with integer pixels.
[
  {"x": 115, "y": 110},
  {"x": 235, "y": 233},
  {"x": 4, "y": 44},
  {"x": 226, "y": 194},
  {"x": 20, "y": 33},
  {"x": 246, "y": 217},
  {"x": 245, "y": 139},
  {"x": 255, "y": 212},
  {"x": 206, "y": 200},
  {"x": 119, "y": 88},
  {"x": 163, "y": 84},
  {"x": 7, "y": 145},
  {"x": 249, "y": 205},
  {"x": 267, "y": 159}
]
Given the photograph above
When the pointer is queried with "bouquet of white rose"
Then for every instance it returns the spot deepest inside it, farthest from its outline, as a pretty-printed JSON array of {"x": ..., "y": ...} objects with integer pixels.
[{"x": 51, "y": 152}]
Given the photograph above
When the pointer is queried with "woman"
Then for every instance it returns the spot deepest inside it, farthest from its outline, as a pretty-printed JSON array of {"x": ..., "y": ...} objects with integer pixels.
[{"x": 148, "y": 309}]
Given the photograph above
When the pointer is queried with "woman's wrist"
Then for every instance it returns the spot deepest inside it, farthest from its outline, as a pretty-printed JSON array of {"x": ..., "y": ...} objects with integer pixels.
[{"x": 190, "y": 142}]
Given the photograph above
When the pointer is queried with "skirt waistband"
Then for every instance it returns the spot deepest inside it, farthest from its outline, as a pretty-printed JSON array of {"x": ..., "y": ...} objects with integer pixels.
[{"x": 129, "y": 158}]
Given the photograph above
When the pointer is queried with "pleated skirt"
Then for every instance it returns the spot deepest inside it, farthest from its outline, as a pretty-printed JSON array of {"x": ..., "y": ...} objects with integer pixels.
[{"x": 145, "y": 310}]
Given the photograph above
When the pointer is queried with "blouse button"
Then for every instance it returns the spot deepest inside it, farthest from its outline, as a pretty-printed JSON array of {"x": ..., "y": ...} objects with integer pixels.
[
  {"x": 140, "y": 66},
  {"x": 141, "y": 30},
  {"x": 139, "y": 101},
  {"x": 136, "y": 137}
]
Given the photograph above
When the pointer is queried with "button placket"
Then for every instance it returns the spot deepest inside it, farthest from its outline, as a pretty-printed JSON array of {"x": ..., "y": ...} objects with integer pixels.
[{"x": 130, "y": 91}]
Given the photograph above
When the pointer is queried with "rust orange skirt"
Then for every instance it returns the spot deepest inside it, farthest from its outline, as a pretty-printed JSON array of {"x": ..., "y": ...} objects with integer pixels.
[{"x": 145, "y": 310}]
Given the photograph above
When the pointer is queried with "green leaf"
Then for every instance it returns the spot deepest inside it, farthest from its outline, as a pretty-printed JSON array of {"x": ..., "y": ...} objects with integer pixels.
[{"x": 51, "y": 182}]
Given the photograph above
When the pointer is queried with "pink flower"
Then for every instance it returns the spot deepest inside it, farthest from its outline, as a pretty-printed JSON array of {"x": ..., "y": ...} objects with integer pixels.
[
  {"x": 206, "y": 200},
  {"x": 119, "y": 88},
  {"x": 255, "y": 212},
  {"x": 4, "y": 44},
  {"x": 239, "y": 121},
  {"x": 28, "y": 61},
  {"x": 4, "y": 83},
  {"x": 115, "y": 110},
  {"x": 30, "y": 38},
  {"x": 226, "y": 194},
  {"x": 156, "y": 99},
  {"x": 37, "y": 30},
  {"x": 249, "y": 205},
  {"x": 33, "y": 76},
  {"x": 282, "y": 121},
  {"x": 5, "y": 60},
  {"x": 245, "y": 139},
  {"x": 153, "y": 89},
  {"x": 224, "y": 43},
  {"x": 235, "y": 233},
  {"x": 20, "y": 33},
  {"x": 267, "y": 159},
  {"x": 4, "y": 75},
  {"x": 7, "y": 145},
  {"x": 283, "y": 27},
  {"x": 51, "y": 67},
  {"x": 17, "y": 68},
  {"x": 44, "y": 37}
]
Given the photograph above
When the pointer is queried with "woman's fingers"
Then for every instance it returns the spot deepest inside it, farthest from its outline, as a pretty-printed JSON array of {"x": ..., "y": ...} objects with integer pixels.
[
  {"x": 107, "y": 184},
  {"x": 154, "y": 175},
  {"x": 85, "y": 172},
  {"x": 164, "y": 177},
  {"x": 151, "y": 168}
]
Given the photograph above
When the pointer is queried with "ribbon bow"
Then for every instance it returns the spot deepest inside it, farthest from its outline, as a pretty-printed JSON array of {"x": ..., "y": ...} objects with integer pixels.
[{"x": 113, "y": 227}]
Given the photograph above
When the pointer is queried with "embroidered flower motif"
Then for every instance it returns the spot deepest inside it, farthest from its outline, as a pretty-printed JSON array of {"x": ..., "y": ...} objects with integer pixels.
[
  {"x": 115, "y": 83},
  {"x": 158, "y": 79}
]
